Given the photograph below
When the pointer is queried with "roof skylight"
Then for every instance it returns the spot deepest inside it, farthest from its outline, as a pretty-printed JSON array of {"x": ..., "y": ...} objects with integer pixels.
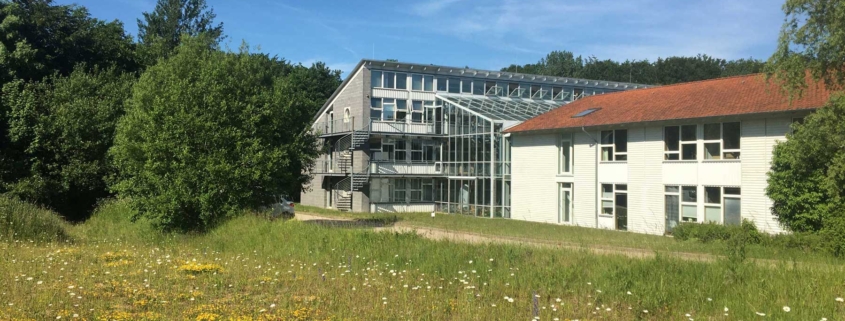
[{"x": 585, "y": 112}]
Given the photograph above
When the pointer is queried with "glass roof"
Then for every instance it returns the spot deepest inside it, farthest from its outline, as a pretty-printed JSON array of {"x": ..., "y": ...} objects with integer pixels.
[{"x": 502, "y": 108}]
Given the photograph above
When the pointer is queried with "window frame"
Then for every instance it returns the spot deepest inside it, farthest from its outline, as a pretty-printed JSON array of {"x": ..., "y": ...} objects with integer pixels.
[
  {"x": 723, "y": 195},
  {"x": 616, "y": 190},
  {"x": 614, "y": 153},
  {"x": 562, "y": 188},
  {"x": 414, "y": 78},
  {"x": 561, "y": 163},
  {"x": 681, "y": 143},
  {"x": 373, "y": 74},
  {"x": 682, "y": 202},
  {"x": 397, "y": 188}
]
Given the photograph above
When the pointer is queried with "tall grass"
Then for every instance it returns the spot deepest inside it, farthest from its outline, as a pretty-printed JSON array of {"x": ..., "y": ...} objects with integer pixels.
[
  {"x": 21, "y": 221},
  {"x": 251, "y": 268}
]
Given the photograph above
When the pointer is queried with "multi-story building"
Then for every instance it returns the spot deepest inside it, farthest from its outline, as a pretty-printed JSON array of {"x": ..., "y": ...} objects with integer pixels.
[
  {"x": 645, "y": 160},
  {"x": 411, "y": 137}
]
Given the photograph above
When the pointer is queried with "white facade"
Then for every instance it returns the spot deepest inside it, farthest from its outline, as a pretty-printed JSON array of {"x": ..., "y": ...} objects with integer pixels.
[{"x": 637, "y": 186}]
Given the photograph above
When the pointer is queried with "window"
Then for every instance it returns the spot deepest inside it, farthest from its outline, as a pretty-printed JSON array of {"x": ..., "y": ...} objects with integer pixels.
[
  {"x": 375, "y": 79},
  {"x": 577, "y": 93},
  {"x": 388, "y": 150},
  {"x": 346, "y": 115},
  {"x": 689, "y": 204},
  {"x": 401, "y": 151},
  {"x": 428, "y": 83},
  {"x": 524, "y": 90},
  {"x": 388, "y": 106},
  {"x": 416, "y": 82},
  {"x": 416, "y": 189},
  {"x": 557, "y": 93},
  {"x": 416, "y": 150},
  {"x": 672, "y": 207},
  {"x": 375, "y": 150},
  {"x": 680, "y": 142},
  {"x": 614, "y": 202},
  {"x": 454, "y": 85},
  {"x": 466, "y": 86},
  {"x": 478, "y": 87},
  {"x": 428, "y": 190},
  {"x": 389, "y": 80},
  {"x": 417, "y": 111},
  {"x": 491, "y": 89},
  {"x": 565, "y": 203},
  {"x": 721, "y": 140},
  {"x": 431, "y": 151},
  {"x": 536, "y": 92},
  {"x": 722, "y": 205},
  {"x": 375, "y": 109},
  {"x": 565, "y": 155},
  {"x": 614, "y": 145},
  {"x": 585, "y": 112},
  {"x": 441, "y": 84},
  {"x": 401, "y": 110},
  {"x": 513, "y": 89},
  {"x": 401, "y": 81},
  {"x": 399, "y": 189}
]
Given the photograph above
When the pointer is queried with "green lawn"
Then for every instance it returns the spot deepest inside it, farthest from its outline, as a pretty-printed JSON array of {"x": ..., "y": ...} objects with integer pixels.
[
  {"x": 251, "y": 268},
  {"x": 581, "y": 236}
]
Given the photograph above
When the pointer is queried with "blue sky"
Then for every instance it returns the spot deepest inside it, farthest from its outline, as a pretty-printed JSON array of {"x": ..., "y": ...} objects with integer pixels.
[{"x": 487, "y": 34}]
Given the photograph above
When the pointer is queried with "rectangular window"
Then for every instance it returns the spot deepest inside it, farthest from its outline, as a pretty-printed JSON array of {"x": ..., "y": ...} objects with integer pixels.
[
  {"x": 431, "y": 151},
  {"x": 671, "y": 143},
  {"x": 577, "y": 93},
  {"x": 388, "y": 151},
  {"x": 401, "y": 151},
  {"x": 614, "y": 201},
  {"x": 428, "y": 190},
  {"x": 389, "y": 108},
  {"x": 721, "y": 140},
  {"x": 672, "y": 207},
  {"x": 491, "y": 89},
  {"x": 375, "y": 109},
  {"x": 416, "y": 189},
  {"x": 441, "y": 84},
  {"x": 466, "y": 86},
  {"x": 478, "y": 87},
  {"x": 389, "y": 80},
  {"x": 399, "y": 189},
  {"x": 417, "y": 111},
  {"x": 565, "y": 203},
  {"x": 416, "y": 82},
  {"x": 689, "y": 204},
  {"x": 401, "y": 110},
  {"x": 731, "y": 133},
  {"x": 722, "y": 205},
  {"x": 401, "y": 81},
  {"x": 513, "y": 89},
  {"x": 535, "y": 92},
  {"x": 525, "y": 90},
  {"x": 375, "y": 79},
  {"x": 428, "y": 83},
  {"x": 455, "y": 85},
  {"x": 614, "y": 145},
  {"x": 416, "y": 150},
  {"x": 565, "y": 155},
  {"x": 688, "y": 142},
  {"x": 557, "y": 93}
]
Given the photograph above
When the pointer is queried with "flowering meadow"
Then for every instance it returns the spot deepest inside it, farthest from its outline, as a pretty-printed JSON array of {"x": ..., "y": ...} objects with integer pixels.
[{"x": 251, "y": 268}]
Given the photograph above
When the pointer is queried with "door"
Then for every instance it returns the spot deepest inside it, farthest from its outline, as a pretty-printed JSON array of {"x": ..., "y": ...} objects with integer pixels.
[{"x": 565, "y": 203}]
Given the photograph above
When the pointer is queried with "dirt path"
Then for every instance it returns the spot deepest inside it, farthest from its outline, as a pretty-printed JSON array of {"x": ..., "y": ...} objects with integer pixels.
[{"x": 475, "y": 238}]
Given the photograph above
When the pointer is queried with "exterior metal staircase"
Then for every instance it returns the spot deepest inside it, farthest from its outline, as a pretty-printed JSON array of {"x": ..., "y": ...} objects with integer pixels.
[{"x": 355, "y": 181}]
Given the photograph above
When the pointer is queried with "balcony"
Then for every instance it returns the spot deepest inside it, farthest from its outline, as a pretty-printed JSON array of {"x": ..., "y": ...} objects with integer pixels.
[
  {"x": 405, "y": 169},
  {"x": 326, "y": 167},
  {"x": 398, "y": 127},
  {"x": 339, "y": 126}
]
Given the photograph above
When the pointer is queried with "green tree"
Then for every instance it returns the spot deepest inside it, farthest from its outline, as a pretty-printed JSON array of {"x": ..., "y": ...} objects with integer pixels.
[
  {"x": 161, "y": 30},
  {"x": 38, "y": 39},
  {"x": 807, "y": 178},
  {"x": 61, "y": 129},
  {"x": 209, "y": 133}
]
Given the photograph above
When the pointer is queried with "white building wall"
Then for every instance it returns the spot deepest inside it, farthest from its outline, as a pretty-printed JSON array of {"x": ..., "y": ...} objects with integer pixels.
[
  {"x": 533, "y": 184},
  {"x": 535, "y": 177}
]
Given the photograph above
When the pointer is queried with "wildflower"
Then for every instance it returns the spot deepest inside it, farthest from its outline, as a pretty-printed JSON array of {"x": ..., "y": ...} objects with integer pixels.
[
  {"x": 760, "y": 314},
  {"x": 470, "y": 261},
  {"x": 629, "y": 292},
  {"x": 557, "y": 300},
  {"x": 726, "y": 309},
  {"x": 840, "y": 300},
  {"x": 39, "y": 282},
  {"x": 493, "y": 305},
  {"x": 645, "y": 311},
  {"x": 491, "y": 260},
  {"x": 786, "y": 309},
  {"x": 510, "y": 300},
  {"x": 272, "y": 305},
  {"x": 709, "y": 300}
]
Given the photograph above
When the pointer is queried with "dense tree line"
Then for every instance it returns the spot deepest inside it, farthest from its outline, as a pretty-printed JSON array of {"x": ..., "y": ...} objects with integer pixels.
[
  {"x": 88, "y": 111},
  {"x": 664, "y": 71}
]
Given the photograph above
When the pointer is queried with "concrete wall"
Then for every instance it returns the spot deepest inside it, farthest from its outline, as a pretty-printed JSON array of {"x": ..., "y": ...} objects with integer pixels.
[{"x": 535, "y": 176}]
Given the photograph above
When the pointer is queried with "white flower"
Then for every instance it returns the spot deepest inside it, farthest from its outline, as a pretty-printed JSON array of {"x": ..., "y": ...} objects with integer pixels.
[
  {"x": 726, "y": 309},
  {"x": 39, "y": 282},
  {"x": 491, "y": 260},
  {"x": 786, "y": 309},
  {"x": 557, "y": 300},
  {"x": 273, "y": 305},
  {"x": 687, "y": 315},
  {"x": 470, "y": 261},
  {"x": 760, "y": 314},
  {"x": 510, "y": 300},
  {"x": 629, "y": 292},
  {"x": 840, "y": 300},
  {"x": 709, "y": 300},
  {"x": 384, "y": 298},
  {"x": 645, "y": 311},
  {"x": 493, "y": 305}
]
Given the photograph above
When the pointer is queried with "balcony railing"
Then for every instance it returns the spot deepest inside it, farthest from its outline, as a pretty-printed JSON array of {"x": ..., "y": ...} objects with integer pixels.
[
  {"x": 340, "y": 126},
  {"x": 329, "y": 167},
  {"x": 402, "y": 168},
  {"x": 381, "y": 126}
]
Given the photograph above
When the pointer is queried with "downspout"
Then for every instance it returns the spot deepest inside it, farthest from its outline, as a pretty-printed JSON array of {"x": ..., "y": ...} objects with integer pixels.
[{"x": 596, "y": 179}]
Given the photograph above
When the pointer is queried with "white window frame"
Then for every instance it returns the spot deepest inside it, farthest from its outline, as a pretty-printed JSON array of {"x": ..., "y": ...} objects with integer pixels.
[
  {"x": 380, "y": 77},
  {"x": 385, "y": 75},
  {"x": 721, "y": 200},
  {"x": 412, "y": 112},
  {"x": 561, "y": 162},
  {"x": 403, "y": 152},
  {"x": 687, "y": 203},
  {"x": 721, "y": 142},
  {"x": 389, "y": 155},
  {"x": 422, "y": 82},
  {"x": 346, "y": 115},
  {"x": 681, "y": 144},
  {"x": 614, "y": 154},
  {"x": 411, "y": 190},
  {"x": 561, "y": 207},
  {"x": 405, "y": 110},
  {"x": 398, "y": 187},
  {"x": 464, "y": 89},
  {"x": 428, "y": 80},
  {"x": 380, "y": 108},
  {"x": 450, "y": 83},
  {"x": 615, "y": 189},
  {"x": 428, "y": 184},
  {"x": 417, "y": 151},
  {"x": 445, "y": 83}
]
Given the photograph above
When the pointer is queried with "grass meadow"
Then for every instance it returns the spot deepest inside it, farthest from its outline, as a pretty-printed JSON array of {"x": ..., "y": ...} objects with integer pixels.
[{"x": 251, "y": 268}]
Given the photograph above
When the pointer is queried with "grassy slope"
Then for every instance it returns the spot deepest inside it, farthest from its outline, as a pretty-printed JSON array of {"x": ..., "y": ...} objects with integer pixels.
[
  {"x": 571, "y": 234},
  {"x": 284, "y": 270}
]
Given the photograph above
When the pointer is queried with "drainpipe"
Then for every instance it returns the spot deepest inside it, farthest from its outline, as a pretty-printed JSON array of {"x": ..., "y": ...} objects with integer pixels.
[{"x": 596, "y": 178}]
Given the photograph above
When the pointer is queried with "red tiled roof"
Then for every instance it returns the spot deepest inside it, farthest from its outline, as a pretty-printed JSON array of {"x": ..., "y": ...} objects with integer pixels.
[{"x": 738, "y": 95}]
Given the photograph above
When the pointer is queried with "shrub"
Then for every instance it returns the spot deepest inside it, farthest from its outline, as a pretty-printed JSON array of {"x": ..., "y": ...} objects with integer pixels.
[
  {"x": 23, "y": 221},
  {"x": 208, "y": 134},
  {"x": 709, "y": 232}
]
